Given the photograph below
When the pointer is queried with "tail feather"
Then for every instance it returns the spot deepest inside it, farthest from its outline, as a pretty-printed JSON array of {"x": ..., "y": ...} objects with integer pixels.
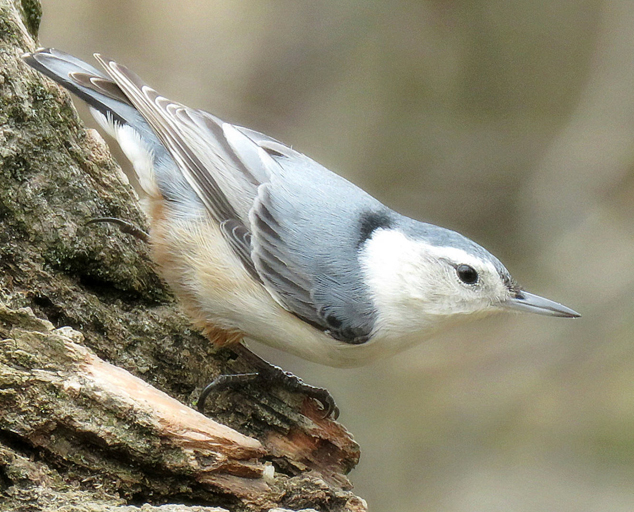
[
  {"x": 86, "y": 82},
  {"x": 113, "y": 111}
]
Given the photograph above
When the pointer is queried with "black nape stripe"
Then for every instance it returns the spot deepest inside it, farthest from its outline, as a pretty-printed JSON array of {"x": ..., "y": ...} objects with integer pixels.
[{"x": 369, "y": 222}]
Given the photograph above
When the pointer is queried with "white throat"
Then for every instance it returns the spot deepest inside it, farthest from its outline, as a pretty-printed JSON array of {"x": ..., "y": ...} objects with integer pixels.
[{"x": 412, "y": 291}]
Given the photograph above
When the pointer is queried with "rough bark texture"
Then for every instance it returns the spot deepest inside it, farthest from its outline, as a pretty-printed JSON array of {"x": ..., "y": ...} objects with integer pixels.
[{"x": 84, "y": 317}]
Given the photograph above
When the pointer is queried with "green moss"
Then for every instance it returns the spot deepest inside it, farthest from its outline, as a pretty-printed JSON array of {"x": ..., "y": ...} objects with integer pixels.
[
  {"x": 17, "y": 167},
  {"x": 32, "y": 16}
]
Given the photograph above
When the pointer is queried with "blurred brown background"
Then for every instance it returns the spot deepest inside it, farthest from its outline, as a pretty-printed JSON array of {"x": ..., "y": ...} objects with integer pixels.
[{"x": 511, "y": 122}]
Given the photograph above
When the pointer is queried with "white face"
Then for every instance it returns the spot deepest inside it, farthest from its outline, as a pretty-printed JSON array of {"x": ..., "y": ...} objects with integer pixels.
[{"x": 417, "y": 286}]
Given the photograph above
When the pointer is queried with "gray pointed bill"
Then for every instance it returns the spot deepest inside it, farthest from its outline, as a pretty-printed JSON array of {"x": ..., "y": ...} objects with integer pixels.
[{"x": 529, "y": 303}]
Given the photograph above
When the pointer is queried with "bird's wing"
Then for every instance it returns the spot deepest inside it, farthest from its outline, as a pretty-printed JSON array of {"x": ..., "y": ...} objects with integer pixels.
[
  {"x": 286, "y": 217},
  {"x": 200, "y": 145},
  {"x": 306, "y": 227}
]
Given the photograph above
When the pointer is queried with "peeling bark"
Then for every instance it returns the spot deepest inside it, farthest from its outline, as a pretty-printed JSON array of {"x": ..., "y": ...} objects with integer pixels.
[{"x": 98, "y": 365}]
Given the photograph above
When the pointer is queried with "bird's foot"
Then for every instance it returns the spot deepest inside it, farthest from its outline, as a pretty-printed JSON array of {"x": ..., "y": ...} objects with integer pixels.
[
  {"x": 269, "y": 375},
  {"x": 274, "y": 375},
  {"x": 124, "y": 226}
]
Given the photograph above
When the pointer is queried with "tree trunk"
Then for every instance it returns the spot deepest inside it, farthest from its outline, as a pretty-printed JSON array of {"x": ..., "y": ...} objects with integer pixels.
[{"x": 84, "y": 317}]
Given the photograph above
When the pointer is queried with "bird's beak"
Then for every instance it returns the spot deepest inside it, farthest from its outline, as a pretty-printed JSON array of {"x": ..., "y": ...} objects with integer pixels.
[{"x": 524, "y": 301}]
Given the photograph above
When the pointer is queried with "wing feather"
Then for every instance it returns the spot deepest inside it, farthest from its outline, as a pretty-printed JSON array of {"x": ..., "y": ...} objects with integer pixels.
[
  {"x": 239, "y": 238},
  {"x": 196, "y": 142},
  {"x": 306, "y": 275},
  {"x": 244, "y": 180}
]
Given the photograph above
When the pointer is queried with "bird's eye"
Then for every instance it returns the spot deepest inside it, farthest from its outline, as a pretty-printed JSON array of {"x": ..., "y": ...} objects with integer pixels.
[{"x": 467, "y": 274}]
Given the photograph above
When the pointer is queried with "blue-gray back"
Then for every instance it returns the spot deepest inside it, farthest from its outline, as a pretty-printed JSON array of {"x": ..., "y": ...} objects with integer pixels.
[{"x": 308, "y": 228}]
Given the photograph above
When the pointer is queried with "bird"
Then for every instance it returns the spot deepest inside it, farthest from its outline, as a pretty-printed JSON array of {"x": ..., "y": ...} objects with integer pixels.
[{"x": 260, "y": 242}]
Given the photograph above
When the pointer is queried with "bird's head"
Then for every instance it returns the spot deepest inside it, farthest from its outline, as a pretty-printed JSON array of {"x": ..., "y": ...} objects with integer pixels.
[{"x": 421, "y": 277}]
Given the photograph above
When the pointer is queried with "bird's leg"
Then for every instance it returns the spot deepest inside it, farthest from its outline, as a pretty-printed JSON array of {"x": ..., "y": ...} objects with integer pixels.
[
  {"x": 124, "y": 226},
  {"x": 269, "y": 375}
]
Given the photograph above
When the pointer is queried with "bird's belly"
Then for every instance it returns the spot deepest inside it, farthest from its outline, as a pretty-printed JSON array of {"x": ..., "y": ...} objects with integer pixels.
[{"x": 218, "y": 293}]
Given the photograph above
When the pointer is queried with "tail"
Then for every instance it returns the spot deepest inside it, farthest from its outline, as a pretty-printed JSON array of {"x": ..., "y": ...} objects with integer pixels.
[{"x": 113, "y": 111}]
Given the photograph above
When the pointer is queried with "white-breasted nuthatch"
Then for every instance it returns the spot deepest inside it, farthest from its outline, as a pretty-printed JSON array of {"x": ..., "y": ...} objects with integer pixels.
[{"x": 259, "y": 241}]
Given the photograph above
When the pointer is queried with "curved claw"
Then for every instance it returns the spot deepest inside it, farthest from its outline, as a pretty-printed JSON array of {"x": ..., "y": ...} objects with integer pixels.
[
  {"x": 272, "y": 376},
  {"x": 221, "y": 382},
  {"x": 124, "y": 226},
  {"x": 326, "y": 401}
]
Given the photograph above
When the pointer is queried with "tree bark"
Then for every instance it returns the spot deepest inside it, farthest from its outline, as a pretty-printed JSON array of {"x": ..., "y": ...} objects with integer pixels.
[{"x": 97, "y": 364}]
